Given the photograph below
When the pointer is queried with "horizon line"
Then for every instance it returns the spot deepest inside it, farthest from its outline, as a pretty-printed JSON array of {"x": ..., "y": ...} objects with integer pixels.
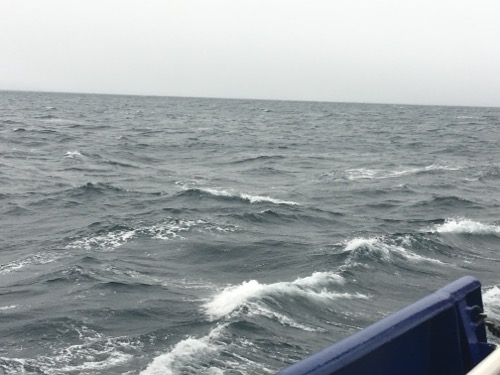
[{"x": 239, "y": 98}]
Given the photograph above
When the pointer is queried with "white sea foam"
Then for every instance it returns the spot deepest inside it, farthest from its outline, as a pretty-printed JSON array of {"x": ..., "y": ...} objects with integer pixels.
[
  {"x": 171, "y": 229},
  {"x": 72, "y": 154},
  {"x": 95, "y": 353},
  {"x": 10, "y": 307},
  {"x": 359, "y": 242},
  {"x": 383, "y": 247},
  {"x": 92, "y": 363},
  {"x": 167, "y": 230},
  {"x": 247, "y": 197},
  {"x": 466, "y": 226},
  {"x": 213, "y": 354},
  {"x": 36, "y": 259},
  {"x": 107, "y": 242},
  {"x": 368, "y": 174},
  {"x": 234, "y": 297},
  {"x": 491, "y": 299},
  {"x": 256, "y": 309},
  {"x": 188, "y": 352},
  {"x": 259, "y": 199},
  {"x": 362, "y": 174}
]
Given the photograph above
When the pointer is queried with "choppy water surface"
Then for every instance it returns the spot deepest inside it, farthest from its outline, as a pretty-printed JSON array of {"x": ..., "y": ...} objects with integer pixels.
[{"x": 154, "y": 235}]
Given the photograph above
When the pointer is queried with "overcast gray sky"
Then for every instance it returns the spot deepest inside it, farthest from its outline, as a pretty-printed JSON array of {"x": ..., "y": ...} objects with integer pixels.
[{"x": 385, "y": 51}]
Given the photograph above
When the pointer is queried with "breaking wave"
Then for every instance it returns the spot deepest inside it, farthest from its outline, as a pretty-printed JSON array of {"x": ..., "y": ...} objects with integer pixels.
[
  {"x": 491, "y": 299},
  {"x": 254, "y": 199},
  {"x": 191, "y": 355},
  {"x": 383, "y": 248},
  {"x": 73, "y": 154},
  {"x": 233, "y": 298},
  {"x": 466, "y": 226}
]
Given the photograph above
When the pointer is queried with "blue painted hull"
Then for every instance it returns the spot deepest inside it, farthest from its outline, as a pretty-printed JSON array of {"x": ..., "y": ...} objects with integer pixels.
[{"x": 443, "y": 333}]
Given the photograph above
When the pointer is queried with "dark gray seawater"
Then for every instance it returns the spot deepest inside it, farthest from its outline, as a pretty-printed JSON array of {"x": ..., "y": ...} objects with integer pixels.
[{"x": 155, "y": 235}]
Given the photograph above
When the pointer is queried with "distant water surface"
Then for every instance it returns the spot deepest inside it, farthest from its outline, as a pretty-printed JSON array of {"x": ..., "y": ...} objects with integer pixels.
[{"x": 159, "y": 235}]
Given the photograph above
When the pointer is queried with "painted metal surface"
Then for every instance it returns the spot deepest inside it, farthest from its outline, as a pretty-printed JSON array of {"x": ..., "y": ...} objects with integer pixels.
[{"x": 441, "y": 334}]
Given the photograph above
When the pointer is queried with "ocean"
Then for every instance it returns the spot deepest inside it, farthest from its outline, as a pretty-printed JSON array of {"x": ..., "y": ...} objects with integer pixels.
[{"x": 165, "y": 235}]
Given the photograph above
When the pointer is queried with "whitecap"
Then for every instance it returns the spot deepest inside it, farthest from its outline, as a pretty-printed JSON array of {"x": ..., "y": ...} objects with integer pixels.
[
  {"x": 72, "y": 154},
  {"x": 95, "y": 353},
  {"x": 167, "y": 230},
  {"x": 369, "y": 174},
  {"x": 247, "y": 197},
  {"x": 234, "y": 297},
  {"x": 187, "y": 352},
  {"x": 491, "y": 299},
  {"x": 170, "y": 229},
  {"x": 384, "y": 248},
  {"x": 10, "y": 307},
  {"x": 466, "y": 226},
  {"x": 362, "y": 174},
  {"x": 216, "y": 353},
  {"x": 36, "y": 259},
  {"x": 107, "y": 242},
  {"x": 260, "y": 199}
]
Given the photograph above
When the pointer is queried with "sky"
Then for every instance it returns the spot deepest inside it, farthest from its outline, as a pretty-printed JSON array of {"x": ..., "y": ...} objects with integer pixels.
[{"x": 377, "y": 51}]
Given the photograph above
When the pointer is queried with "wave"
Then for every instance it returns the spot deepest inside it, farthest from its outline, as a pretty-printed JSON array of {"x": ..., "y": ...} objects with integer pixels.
[
  {"x": 257, "y": 310},
  {"x": 232, "y": 298},
  {"x": 94, "y": 352},
  {"x": 466, "y": 226},
  {"x": 11, "y": 122},
  {"x": 71, "y": 274},
  {"x": 16, "y": 210},
  {"x": 258, "y": 158},
  {"x": 490, "y": 172},
  {"x": 97, "y": 187},
  {"x": 36, "y": 259},
  {"x": 253, "y": 199},
  {"x": 108, "y": 241},
  {"x": 216, "y": 353},
  {"x": 491, "y": 299},
  {"x": 447, "y": 201},
  {"x": 356, "y": 174},
  {"x": 382, "y": 248},
  {"x": 89, "y": 189},
  {"x": 46, "y": 117},
  {"x": 190, "y": 352},
  {"x": 274, "y": 217},
  {"x": 120, "y": 164},
  {"x": 169, "y": 229},
  {"x": 9, "y": 307},
  {"x": 72, "y": 154},
  {"x": 266, "y": 171}
]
